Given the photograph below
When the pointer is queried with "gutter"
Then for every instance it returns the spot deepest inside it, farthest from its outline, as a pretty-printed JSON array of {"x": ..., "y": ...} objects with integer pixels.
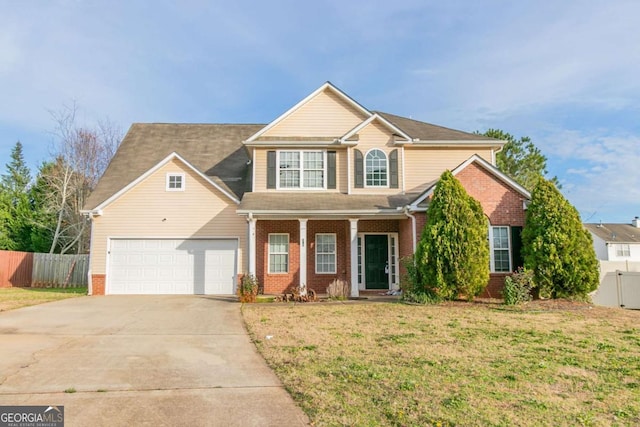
[
  {"x": 317, "y": 212},
  {"x": 413, "y": 227}
]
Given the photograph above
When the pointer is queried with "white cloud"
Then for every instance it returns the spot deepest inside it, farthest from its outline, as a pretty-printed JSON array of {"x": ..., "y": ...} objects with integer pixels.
[{"x": 609, "y": 183}]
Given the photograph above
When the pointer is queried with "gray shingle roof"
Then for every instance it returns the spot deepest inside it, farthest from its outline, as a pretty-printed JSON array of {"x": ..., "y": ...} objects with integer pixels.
[
  {"x": 329, "y": 202},
  {"x": 428, "y": 132},
  {"x": 615, "y": 233},
  {"x": 216, "y": 150}
]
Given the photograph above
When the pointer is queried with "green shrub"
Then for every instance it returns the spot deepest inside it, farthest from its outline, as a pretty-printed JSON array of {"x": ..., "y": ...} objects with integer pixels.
[
  {"x": 248, "y": 288},
  {"x": 452, "y": 257},
  {"x": 518, "y": 287},
  {"x": 556, "y": 246},
  {"x": 412, "y": 290}
]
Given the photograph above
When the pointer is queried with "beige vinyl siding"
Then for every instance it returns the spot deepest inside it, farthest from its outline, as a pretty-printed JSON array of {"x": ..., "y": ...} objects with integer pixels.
[
  {"x": 342, "y": 177},
  {"x": 147, "y": 210},
  {"x": 260, "y": 164},
  {"x": 325, "y": 115},
  {"x": 378, "y": 136},
  {"x": 425, "y": 164},
  {"x": 260, "y": 169}
]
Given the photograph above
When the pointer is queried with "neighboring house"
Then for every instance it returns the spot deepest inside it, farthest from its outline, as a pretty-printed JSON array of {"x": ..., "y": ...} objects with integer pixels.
[
  {"x": 616, "y": 242},
  {"x": 327, "y": 190}
]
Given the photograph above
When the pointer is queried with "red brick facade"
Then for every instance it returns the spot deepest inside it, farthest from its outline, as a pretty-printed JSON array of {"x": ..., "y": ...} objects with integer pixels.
[
  {"x": 278, "y": 282},
  {"x": 98, "y": 284},
  {"x": 501, "y": 204}
]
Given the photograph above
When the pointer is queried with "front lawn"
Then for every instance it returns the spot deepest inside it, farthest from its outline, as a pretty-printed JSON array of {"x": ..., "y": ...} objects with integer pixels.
[
  {"x": 11, "y": 298},
  {"x": 453, "y": 364}
]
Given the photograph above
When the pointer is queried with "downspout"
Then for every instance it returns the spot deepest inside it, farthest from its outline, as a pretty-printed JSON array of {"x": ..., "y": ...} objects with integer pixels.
[
  {"x": 413, "y": 227},
  {"x": 89, "y": 278},
  {"x": 494, "y": 154}
]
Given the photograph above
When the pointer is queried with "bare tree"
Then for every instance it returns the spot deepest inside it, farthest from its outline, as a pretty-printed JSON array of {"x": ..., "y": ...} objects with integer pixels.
[{"x": 81, "y": 156}]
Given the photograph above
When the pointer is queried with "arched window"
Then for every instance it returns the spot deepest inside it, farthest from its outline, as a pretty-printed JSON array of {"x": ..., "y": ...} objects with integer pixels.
[{"x": 376, "y": 169}]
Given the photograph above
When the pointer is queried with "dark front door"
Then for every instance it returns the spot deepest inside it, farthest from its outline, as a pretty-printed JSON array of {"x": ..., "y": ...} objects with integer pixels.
[{"x": 376, "y": 257}]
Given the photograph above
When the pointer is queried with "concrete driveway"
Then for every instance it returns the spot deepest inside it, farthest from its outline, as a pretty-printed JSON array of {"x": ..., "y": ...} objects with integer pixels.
[{"x": 140, "y": 360}]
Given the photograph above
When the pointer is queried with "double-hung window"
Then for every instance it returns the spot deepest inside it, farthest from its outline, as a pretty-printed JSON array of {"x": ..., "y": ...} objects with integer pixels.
[
  {"x": 325, "y": 253},
  {"x": 500, "y": 251},
  {"x": 301, "y": 169},
  {"x": 623, "y": 250},
  {"x": 278, "y": 253}
]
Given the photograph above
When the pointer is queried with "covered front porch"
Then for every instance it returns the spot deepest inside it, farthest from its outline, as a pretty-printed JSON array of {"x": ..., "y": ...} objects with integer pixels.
[{"x": 311, "y": 252}]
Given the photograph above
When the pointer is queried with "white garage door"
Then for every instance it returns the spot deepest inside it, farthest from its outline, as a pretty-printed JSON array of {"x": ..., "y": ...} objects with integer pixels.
[{"x": 172, "y": 266}]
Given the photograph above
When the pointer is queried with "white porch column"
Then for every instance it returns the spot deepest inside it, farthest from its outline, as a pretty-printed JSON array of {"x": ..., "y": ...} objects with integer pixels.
[
  {"x": 353, "y": 227},
  {"x": 303, "y": 256},
  {"x": 252, "y": 245}
]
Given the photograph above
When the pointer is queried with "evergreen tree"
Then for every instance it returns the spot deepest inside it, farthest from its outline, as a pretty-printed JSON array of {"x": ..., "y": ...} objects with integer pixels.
[
  {"x": 556, "y": 246},
  {"x": 520, "y": 159},
  {"x": 44, "y": 216},
  {"x": 6, "y": 243},
  {"x": 17, "y": 205},
  {"x": 452, "y": 257}
]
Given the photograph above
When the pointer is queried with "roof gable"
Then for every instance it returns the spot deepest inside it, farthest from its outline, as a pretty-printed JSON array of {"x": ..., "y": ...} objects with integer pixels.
[
  {"x": 215, "y": 150},
  {"x": 393, "y": 130},
  {"x": 326, "y": 113},
  {"x": 154, "y": 169},
  {"x": 475, "y": 159}
]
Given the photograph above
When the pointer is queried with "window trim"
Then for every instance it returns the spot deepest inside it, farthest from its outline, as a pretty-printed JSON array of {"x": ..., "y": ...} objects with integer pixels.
[
  {"x": 334, "y": 253},
  {"x": 492, "y": 249},
  {"x": 386, "y": 159},
  {"x": 302, "y": 170},
  {"x": 269, "y": 253},
  {"x": 623, "y": 250},
  {"x": 170, "y": 175}
]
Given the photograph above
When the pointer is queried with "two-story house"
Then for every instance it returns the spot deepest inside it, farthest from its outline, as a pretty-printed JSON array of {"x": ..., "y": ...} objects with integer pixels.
[
  {"x": 616, "y": 242},
  {"x": 327, "y": 190}
]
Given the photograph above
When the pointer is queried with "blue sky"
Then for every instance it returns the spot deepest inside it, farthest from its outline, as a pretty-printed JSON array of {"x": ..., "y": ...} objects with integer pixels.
[{"x": 565, "y": 73}]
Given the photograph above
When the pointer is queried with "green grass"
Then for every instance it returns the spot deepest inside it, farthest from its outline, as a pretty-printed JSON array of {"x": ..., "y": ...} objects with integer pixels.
[
  {"x": 12, "y": 298},
  {"x": 453, "y": 364}
]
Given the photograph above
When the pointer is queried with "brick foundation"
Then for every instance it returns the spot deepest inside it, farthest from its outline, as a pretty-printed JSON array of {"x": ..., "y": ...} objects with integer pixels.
[
  {"x": 98, "y": 284},
  {"x": 495, "y": 286}
]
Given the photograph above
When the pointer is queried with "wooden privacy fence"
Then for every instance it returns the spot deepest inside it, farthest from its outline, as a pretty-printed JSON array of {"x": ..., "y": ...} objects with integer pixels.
[
  {"x": 60, "y": 271},
  {"x": 15, "y": 269},
  {"x": 21, "y": 269}
]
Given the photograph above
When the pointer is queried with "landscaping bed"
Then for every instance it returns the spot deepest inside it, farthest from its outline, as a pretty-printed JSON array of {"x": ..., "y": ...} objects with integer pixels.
[{"x": 545, "y": 363}]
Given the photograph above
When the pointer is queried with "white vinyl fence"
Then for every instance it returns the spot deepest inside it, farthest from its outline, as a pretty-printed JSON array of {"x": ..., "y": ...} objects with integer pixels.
[
  {"x": 619, "y": 284},
  {"x": 60, "y": 271}
]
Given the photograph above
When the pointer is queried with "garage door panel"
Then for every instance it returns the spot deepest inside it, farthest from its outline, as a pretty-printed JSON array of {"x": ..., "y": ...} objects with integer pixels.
[{"x": 172, "y": 266}]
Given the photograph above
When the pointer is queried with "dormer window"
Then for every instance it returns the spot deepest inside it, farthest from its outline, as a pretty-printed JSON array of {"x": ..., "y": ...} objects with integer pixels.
[
  {"x": 175, "y": 181},
  {"x": 376, "y": 168}
]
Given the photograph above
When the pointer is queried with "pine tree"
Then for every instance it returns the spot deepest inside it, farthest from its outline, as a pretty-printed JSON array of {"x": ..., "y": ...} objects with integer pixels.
[
  {"x": 453, "y": 255},
  {"x": 556, "y": 246},
  {"x": 17, "y": 205}
]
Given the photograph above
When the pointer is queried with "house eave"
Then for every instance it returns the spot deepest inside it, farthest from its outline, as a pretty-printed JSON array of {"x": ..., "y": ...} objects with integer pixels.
[
  {"x": 453, "y": 143},
  {"x": 279, "y": 213},
  {"x": 91, "y": 212},
  {"x": 295, "y": 144}
]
